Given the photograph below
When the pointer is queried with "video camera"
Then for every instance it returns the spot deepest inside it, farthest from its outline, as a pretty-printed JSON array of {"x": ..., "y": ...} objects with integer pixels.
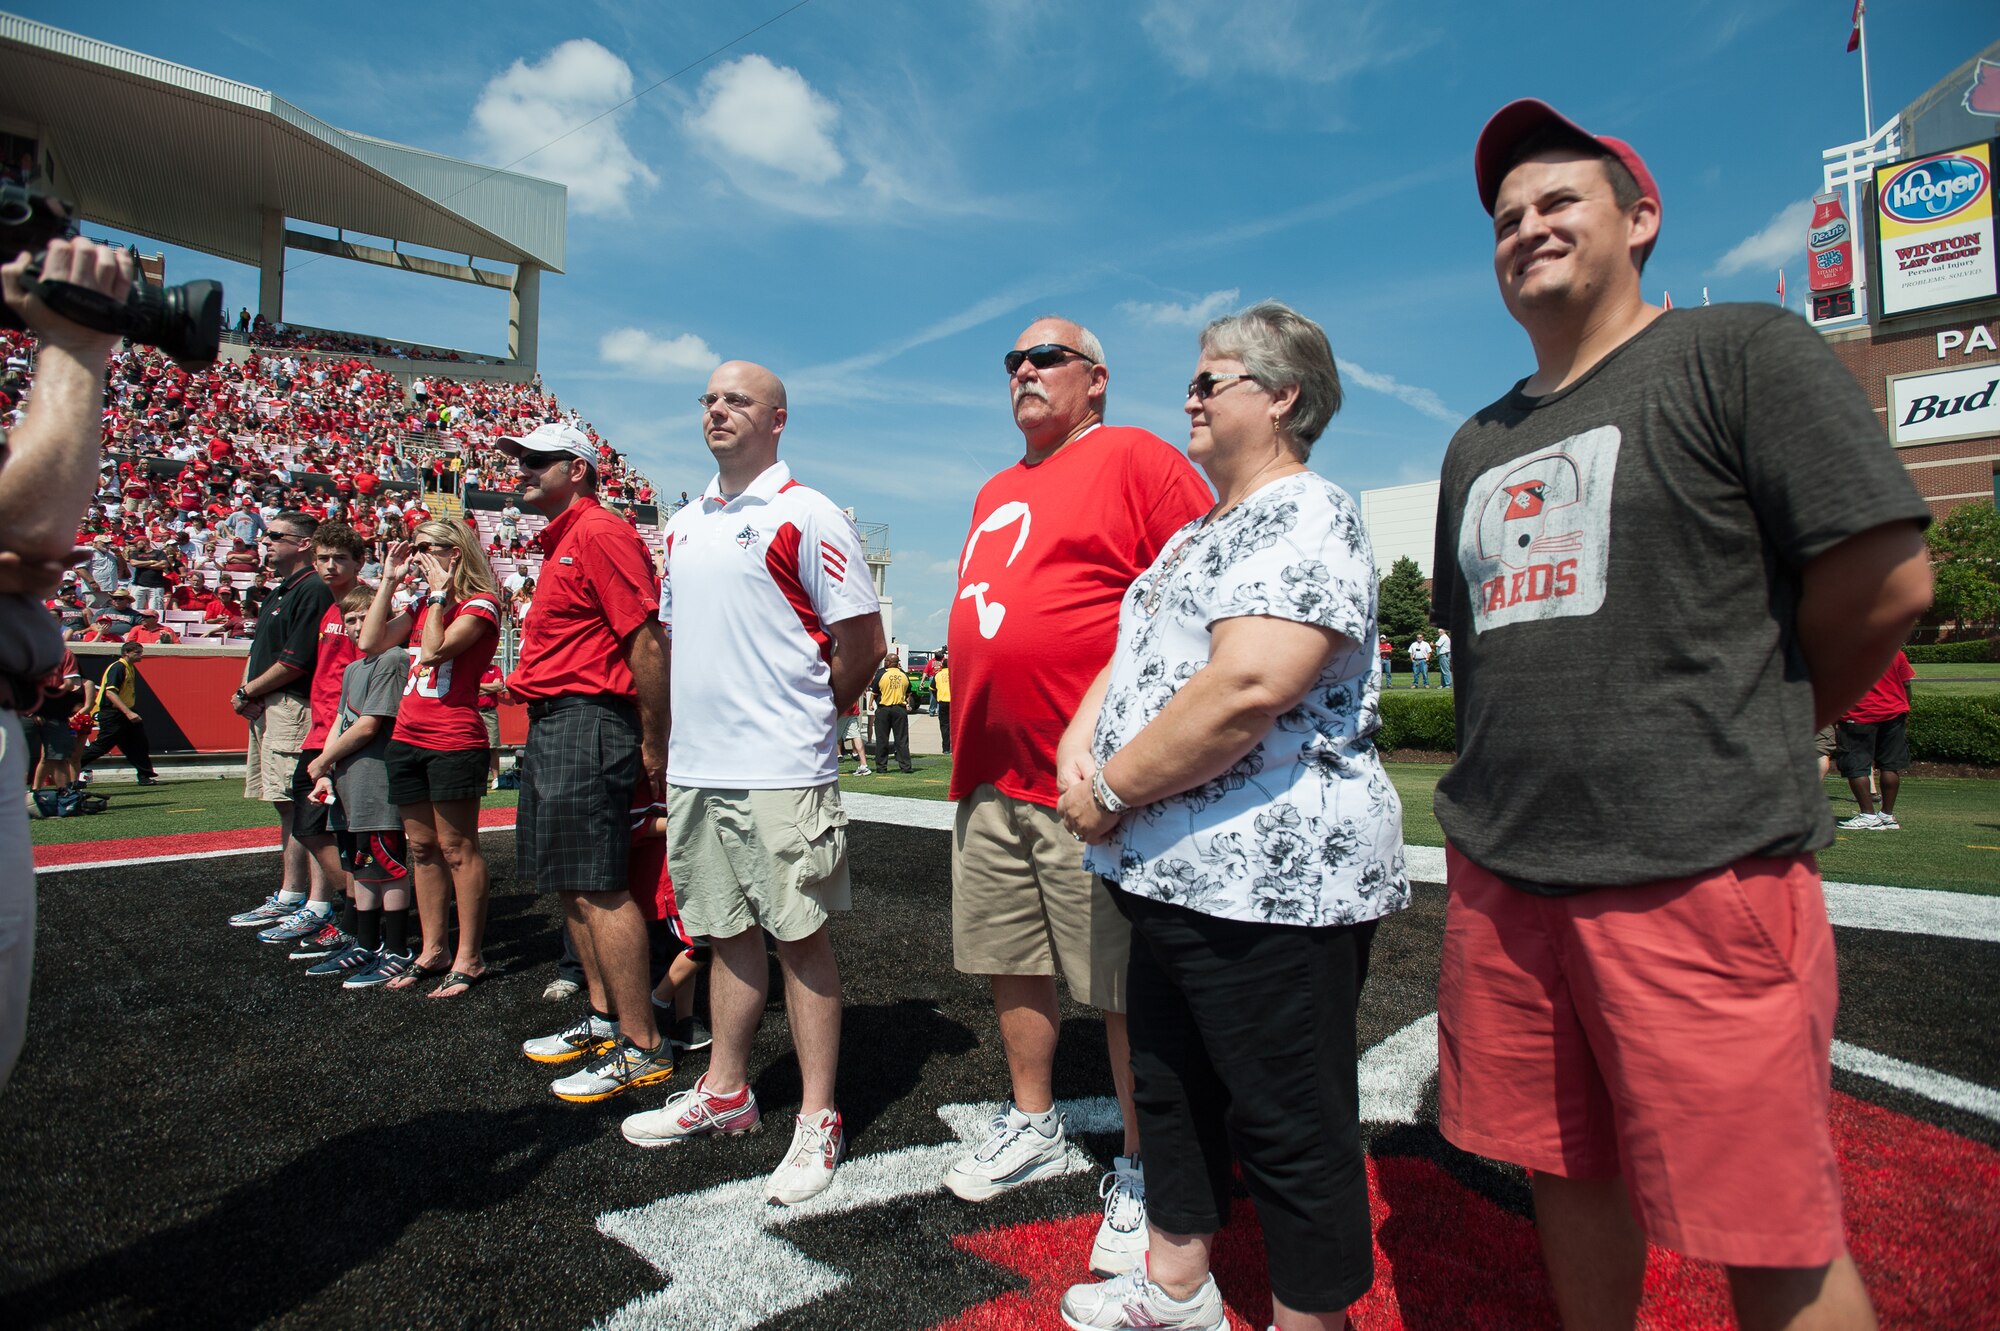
[{"x": 184, "y": 321}]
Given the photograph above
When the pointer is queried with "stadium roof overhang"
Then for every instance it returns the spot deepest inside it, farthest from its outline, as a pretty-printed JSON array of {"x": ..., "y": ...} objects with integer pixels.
[{"x": 199, "y": 161}]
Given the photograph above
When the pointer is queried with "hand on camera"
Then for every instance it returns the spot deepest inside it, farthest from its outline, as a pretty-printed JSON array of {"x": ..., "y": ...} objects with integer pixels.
[{"x": 105, "y": 269}]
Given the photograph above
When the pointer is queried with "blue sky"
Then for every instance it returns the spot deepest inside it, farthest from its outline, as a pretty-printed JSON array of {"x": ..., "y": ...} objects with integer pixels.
[{"x": 875, "y": 196}]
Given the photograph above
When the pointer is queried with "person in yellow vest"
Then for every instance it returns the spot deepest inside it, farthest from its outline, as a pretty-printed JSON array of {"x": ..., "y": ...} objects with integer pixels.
[
  {"x": 941, "y": 681},
  {"x": 118, "y": 723},
  {"x": 892, "y": 714}
]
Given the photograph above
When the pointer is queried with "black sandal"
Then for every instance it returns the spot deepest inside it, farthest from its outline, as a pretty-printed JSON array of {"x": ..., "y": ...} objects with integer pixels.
[{"x": 457, "y": 977}]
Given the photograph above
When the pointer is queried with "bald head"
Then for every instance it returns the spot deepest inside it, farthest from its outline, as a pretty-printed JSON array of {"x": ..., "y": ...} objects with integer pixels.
[
  {"x": 745, "y": 414},
  {"x": 749, "y": 377}
]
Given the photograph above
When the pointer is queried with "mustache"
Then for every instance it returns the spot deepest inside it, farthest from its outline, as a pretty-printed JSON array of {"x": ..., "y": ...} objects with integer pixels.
[{"x": 1029, "y": 388}]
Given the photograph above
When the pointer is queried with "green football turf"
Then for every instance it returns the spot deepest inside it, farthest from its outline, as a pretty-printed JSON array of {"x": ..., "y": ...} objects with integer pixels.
[
  {"x": 1950, "y": 838},
  {"x": 1979, "y": 679}
]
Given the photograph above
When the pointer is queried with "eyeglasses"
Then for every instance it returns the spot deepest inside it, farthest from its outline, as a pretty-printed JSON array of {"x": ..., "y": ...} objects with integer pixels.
[
  {"x": 1205, "y": 385},
  {"x": 735, "y": 401},
  {"x": 1044, "y": 357},
  {"x": 286, "y": 536},
  {"x": 528, "y": 461}
]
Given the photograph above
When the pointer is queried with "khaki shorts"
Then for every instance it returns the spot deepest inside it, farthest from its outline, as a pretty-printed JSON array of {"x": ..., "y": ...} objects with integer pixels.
[
  {"x": 770, "y": 859},
  {"x": 491, "y": 717},
  {"x": 276, "y": 739},
  {"x": 1022, "y": 903}
]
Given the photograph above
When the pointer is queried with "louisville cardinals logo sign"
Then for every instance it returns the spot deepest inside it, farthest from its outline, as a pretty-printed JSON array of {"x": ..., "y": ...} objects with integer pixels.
[{"x": 1982, "y": 98}]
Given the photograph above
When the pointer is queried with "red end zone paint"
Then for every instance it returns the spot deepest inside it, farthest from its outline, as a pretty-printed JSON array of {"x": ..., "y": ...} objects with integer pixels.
[
  {"x": 1923, "y": 1222},
  {"x": 196, "y": 843}
]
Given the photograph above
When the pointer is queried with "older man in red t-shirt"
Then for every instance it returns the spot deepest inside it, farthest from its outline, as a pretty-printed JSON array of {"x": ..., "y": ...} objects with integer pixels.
[
  {"x": 1874, "y": 737},
  {"x": 1055, "y": 540}
]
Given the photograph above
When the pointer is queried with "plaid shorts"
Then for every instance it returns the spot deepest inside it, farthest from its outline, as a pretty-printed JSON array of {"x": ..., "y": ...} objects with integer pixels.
[{"x": 573, "y": 831}]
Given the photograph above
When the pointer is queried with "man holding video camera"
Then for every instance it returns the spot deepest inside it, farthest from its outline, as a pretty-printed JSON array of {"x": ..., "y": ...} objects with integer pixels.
[{"x": 48, "y": 474}]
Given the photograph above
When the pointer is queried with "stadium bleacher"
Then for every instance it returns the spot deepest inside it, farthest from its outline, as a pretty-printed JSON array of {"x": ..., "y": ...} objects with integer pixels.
[{"x": 317, "y": 429}]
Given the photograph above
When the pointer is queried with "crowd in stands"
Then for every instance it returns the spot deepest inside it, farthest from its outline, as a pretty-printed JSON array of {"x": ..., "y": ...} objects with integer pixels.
[
  {"x": 198, "y": 463},
  {"x": 262, "y": 333}
]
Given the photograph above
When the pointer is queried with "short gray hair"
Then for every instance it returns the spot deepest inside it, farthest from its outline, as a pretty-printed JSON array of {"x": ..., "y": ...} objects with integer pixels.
[
  {"x": 1279, "y": 346},
  {"x": 1086, "y": 341}
]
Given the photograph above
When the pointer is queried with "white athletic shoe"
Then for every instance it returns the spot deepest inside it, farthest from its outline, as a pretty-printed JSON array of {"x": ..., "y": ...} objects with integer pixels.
[
  {"x": 1861, "y": 822},
  {"x": 690, "y": 1114},
  {"x": 560, "y": 990},
  {"x": 818, "y": 1143},
  {"x": 590, "y": 1032},
  {"x": 1132, "y": 1301},
  {"x": 1121, "y": 1235},
  {"x": 1888, "y": 823},
  {"x": 1015, "y": 1153}
]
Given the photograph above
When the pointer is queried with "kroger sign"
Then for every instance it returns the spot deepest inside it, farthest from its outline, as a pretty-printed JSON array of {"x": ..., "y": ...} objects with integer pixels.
[{"x": 1934, "y": 190}]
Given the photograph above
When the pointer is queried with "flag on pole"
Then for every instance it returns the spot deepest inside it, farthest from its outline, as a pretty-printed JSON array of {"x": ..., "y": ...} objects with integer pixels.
[
  {"x": 1854, "y": 31},
  {"x": 1781, "y": 286},
  {"x": 1669, "y": 303}
]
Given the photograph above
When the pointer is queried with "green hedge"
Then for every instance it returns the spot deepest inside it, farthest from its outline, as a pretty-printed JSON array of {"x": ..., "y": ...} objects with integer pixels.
[
  {"x": 1418, "y": 719},
  {"x": 1954, "y": 653},
  {"x": 1955, "y": 730},
  {"x": 1942, "y": 729}
]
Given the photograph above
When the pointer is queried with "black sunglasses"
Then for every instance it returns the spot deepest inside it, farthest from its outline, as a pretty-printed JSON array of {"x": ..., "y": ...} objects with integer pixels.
[
  {"x": 1044, "y": 357},
  {"x": 1205, "y": 385},
  {"x": 530, "y": 461}
]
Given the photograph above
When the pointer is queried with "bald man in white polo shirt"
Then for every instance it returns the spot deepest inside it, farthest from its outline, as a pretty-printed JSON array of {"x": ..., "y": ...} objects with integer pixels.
[{"x": 765, "y": 593}]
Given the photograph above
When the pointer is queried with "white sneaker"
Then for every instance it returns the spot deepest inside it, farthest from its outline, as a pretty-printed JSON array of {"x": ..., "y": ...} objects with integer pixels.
[
  {"x": 864, "y": 770},
  {"x": 590, "y": 1032},
  {"x": 1121, "y": 1235},
  {"x": 1132, "y": 1301},
  {"x": 1014, "y": 1154},
  {"x": 691, "y": 1114},
  {"x": 1886, "y": 822},
  {"x": 1861, "y": 822},
  {"x": 818, "y": 1143},
  {"x": 561, "y": 990}
]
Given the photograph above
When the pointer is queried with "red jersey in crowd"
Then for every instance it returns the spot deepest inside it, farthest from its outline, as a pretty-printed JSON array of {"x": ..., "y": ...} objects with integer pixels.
[
  {"x": 336, "y": 652},
  {"x": 441, "y": 702}
]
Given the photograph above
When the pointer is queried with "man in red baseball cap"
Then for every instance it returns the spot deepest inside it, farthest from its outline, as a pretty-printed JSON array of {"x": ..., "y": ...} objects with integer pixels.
[{"x": 1638, "y": 985}]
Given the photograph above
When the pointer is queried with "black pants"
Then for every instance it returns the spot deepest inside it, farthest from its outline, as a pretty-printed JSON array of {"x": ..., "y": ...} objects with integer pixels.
[
  {"x": 1243, "y": 1048},
  {"x": 128, "y": 737},
  {"x": 892, "y": 726},
  {"x": 944, "y": 724}
]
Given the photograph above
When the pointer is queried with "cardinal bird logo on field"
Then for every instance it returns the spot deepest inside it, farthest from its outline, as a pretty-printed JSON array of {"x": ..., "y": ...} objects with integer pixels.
[
  {"x": 1525, "y": 500},
  {"x": 1983, "y": 97}
]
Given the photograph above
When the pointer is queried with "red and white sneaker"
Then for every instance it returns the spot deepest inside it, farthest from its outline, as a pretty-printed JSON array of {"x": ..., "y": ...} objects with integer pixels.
[
  {"x": 818, "y": 1143},
  {"x": 690, "y": 1114}
]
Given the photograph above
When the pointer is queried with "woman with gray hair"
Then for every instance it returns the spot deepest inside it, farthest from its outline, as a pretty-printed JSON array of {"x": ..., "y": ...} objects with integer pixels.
[{"x": 1223, "y": 769}]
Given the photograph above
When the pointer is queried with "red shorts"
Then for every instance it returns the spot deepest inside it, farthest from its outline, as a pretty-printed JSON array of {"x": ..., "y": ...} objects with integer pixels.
[
  {"x": 1676, "y": 1033},
  {"x": 652, "y": 887}
]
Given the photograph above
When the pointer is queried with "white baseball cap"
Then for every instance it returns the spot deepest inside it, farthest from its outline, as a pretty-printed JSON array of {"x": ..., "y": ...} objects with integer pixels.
[{"x": 553, "y": 437}]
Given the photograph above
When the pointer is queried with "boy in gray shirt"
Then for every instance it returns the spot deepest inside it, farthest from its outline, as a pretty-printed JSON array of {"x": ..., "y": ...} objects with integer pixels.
[{"x": 352, "y": 774}]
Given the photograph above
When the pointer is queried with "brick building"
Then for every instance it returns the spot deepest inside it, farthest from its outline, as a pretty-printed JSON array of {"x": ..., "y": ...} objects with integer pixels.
[{"x": 1927, "y": 365}]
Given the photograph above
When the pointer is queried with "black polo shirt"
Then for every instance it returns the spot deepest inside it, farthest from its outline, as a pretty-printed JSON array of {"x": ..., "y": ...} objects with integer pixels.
[{"x": 287, "y": 630}]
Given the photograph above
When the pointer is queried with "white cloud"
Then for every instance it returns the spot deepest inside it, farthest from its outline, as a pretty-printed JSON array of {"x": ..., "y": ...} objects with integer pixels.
[
  {"x": 528, "y": 105},
  {"x": 752, "y": 111},
  {"x": 1194, "y": 314},
  {"x": 1412, "y": 395},
  {"x": 1782, "y": 241},
  {"x": 636, "y": 350},
  {"x": 1307, "y": 41}
]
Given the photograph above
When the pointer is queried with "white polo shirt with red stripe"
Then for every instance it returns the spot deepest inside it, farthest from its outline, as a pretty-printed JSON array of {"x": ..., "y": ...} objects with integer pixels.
[{"x": 748, "y": 588}]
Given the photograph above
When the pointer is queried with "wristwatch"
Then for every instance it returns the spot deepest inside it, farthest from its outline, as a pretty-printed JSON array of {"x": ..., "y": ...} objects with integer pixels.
[
  {"x": 436, "y": 598},
  {"x": 1107, "y": 798}
]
